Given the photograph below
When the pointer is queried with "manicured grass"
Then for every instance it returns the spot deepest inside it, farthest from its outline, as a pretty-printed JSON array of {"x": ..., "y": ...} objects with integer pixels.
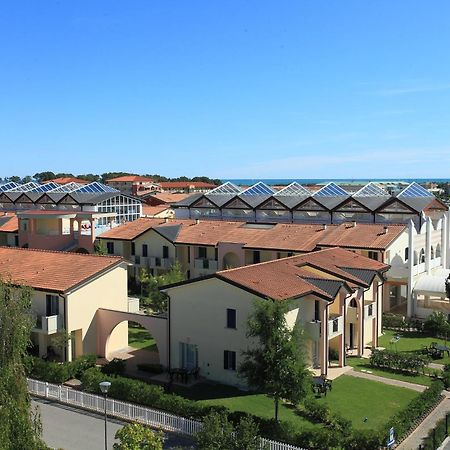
[
  {"x": 357, "y": 398},
  {"x": 411, "y": 341},
  {"x": 361, "y": 364},
  {"x": 353, "y": 398},
  {"x": 139, "y": 337}
]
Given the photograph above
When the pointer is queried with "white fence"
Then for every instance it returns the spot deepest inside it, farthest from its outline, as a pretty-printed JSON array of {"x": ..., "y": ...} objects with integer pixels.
[{"x": 129, "y": 411}]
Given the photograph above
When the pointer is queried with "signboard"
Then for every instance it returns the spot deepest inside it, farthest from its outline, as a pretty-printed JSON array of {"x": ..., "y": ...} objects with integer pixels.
[{"x": 391, "y": 440}]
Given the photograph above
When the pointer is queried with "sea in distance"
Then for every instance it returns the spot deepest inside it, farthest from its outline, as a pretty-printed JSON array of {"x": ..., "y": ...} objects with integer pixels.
[{"x": 286, "y": 181}]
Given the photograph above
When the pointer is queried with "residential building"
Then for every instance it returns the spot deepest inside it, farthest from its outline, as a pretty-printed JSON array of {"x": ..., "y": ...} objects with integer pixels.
[
  {"x": 133, "y": 184},
  {"x": 334, "y": 296},
  {"x": 9, "y": 230},
  {"x": 186, "y": 186},
  {"x": 68, "y": 180},
  {"x": 68, "y": 290}
]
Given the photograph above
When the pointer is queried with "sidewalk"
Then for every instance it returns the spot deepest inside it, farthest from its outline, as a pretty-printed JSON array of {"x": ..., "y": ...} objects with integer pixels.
[{"x": 398, "y": 383}]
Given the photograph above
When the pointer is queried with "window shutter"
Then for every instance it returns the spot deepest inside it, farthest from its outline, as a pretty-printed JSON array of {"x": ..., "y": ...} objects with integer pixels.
[
  {"x": 233, "y": 360},
  {"x": 225, "y": 359}
]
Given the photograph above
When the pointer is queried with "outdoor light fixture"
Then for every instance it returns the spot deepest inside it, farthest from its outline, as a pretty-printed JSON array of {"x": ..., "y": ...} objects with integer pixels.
[{"x": 104, "y": 387}]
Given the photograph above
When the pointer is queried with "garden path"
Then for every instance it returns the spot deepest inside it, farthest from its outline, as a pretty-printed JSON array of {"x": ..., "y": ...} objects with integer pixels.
[{"x": 398, "y": 383}]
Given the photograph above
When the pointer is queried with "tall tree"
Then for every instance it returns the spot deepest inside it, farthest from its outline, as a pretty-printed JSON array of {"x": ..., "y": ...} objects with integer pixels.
[
  {"x": 44, "y": 176},
  {"x": 276, "y": 364},
  {"x": 19, "y": 425}
]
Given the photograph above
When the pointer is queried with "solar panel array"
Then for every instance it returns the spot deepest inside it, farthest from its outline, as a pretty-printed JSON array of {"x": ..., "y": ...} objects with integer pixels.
[
  {"x": 93, "y": 188},
  {"x": 371, "y": 190},
  {"x": 331, "y": 190},
  {"x": 415, "y": 190},
  {"x": 259, "y": 188},
  {"x": 293, "y": 189},
  {"x": 226, "y": 188}
]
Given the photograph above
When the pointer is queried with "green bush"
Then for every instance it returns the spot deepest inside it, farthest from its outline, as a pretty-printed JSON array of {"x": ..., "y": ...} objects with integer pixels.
[
  {"x": 396, "y": 322},
  {"x": 364, "y": 439},
  {"x": 401, "y": 361},
  {"x": 437, "y": 324},
  {"x": 317, "y": 412},
  {"x": 151, "y": 368},
  {"x": 114, "y": 367},
  {"x": 440, "y": 433}
]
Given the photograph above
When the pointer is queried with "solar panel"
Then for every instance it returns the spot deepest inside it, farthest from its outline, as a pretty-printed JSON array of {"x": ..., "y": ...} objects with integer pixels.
[
  {"x": 371, "y": 190},
  {"x": 415, "y": 190},
  {"x": 27, "y": 187},
  {"x": 69, "y": 187},
  {"x": 8, "y": 186},
  {"x": 293, "y": 189},
  {"x": 259, "y": 188},
  {"x": 95, "y": 188},
  {"x": 45, "y": 187},
  {"x": 226, "y": 188},
  {"x": 331, "y": 190}
]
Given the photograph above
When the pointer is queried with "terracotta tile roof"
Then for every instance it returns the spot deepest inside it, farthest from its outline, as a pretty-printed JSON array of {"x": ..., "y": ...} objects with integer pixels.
[
  {"x": 288, "y": 277},
  {"x": 131, "y": 230},
  {"x": 9, "y": 223},
  {"x": 154, "y": 210},
  {"x": 371, "y": 236},
  {"x": 185, "y": 184},
  {"x": 66, "y": 180},
  {"x": 130, "y": 179},
  {"x": 169, "y": 197},
  {"x": 52, "y": 271}
]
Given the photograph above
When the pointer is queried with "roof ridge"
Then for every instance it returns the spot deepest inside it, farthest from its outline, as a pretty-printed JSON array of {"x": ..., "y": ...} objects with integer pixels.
[{"x": 58, "y": 252}]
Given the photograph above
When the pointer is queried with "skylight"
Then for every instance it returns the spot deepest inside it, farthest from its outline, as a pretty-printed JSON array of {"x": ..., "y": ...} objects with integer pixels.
[
  {"x": 331, "y": 190},
  {"x": 226, "y": 188},
  {"x": 259, "y": 188},
  {"x": 415, "y": 190},
  {"x": 371, "y": 190},
  {"x": 293, "y": 189}
]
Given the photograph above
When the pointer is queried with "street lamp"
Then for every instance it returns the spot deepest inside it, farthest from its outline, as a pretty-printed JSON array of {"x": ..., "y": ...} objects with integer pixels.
[{"x": 104, "y": 387}]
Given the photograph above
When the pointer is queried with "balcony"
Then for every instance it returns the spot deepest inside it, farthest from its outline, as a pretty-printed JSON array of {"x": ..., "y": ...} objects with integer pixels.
[
  {"x": 312, "y": 329},
  {"x": 162, "y": 263},
  {"x": 133, "y": 305},
  {"x": 335, "y": 326},
  {"x": 369, "y": 311},
  {"x": 206, "y": 264},
  {"x": 48, "y": 324}
]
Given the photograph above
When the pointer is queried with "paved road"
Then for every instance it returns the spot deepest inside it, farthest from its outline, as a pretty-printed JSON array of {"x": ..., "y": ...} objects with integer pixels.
[{"x": 73, "y": 429}]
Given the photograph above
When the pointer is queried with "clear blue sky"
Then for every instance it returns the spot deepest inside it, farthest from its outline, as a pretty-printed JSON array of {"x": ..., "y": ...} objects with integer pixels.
[{"x": 233, "y": 89}]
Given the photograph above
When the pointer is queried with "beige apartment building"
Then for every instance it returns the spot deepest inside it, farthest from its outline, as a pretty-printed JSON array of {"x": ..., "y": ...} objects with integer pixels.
[{"x": 335, "y": 297}]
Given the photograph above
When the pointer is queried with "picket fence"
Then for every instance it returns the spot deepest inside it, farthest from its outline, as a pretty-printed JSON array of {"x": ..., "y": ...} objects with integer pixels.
[{"x": 129, "y": 411}]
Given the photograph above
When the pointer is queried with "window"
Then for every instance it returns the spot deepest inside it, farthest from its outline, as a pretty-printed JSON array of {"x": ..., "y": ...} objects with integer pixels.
[
  {"x": 316, "y": 310},
  {"x": 290, "y": 254},
  {"x": 373, "y": 255},
  {"x": 406, "y": 253},
  {"x": 165, "y": 251},
  {"x": 202, "y": 252},
  {"x": 231, "y": 318},
  {"x": 110, "y": 248},
  {"x": 144, "y": 250},
  {"x": 16, "y": 240},
  {"x": 133, "y": 248},
  {"x": 422, "y": 256},
  {"x": 229, "y": 360},
  {"x": 353, "y": 303},
  {"x": 256, "y": 256},
  {"x": 52, "y": 305}
]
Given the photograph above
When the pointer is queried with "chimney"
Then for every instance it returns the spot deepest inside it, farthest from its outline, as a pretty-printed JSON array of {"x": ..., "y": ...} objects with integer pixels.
[
  {"x": 166, "y": 219},
  {"x": 386, "y": 229},
  {"x": 354, "y": 224},
  {"x": 197, "y": 221},
  {"x": 324, "y": 226}
]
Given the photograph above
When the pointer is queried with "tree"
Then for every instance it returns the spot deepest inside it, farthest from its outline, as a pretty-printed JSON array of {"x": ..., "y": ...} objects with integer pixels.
[
  {"x": 218, "y": 434},
  {"x": 19, "y": 425},
  {"x": 276, "y": 365},
  {"x": 44, "y": 176},
  {"x": 437, "y": 324},
  {"x": 60, "y": 341},
  {"x": 138, "y": 437},
  {"x": 100, "y": 247}
]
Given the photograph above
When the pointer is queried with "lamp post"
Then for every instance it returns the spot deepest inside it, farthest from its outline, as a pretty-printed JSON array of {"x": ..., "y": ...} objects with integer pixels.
[{"x": 104, "y": 387}]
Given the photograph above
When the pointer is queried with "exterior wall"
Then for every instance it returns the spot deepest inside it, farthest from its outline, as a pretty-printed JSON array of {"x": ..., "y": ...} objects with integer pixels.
[
  {"x": 107, "y": 291},
  {"x": 8, "y": 239}
]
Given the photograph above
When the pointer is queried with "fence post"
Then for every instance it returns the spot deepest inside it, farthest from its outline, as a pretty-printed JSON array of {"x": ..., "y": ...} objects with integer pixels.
[
  {"x": 46, "y": 390},
  {"x": 59, "y": 393}
]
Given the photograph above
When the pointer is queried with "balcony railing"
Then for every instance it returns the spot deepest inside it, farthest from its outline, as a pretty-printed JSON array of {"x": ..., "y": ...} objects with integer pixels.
[
  {"x": 335, "y": 326},
  {"x": 163, "y": 263},
  {"x": 206, "y": 264},
  {"x": 48, "y": 324},
  {"x": 369, "y": 311}
]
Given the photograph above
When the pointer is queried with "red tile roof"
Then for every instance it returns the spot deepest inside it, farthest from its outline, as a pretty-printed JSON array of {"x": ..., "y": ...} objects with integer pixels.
[
  {"x": 52, "y": 271},
  {"x": 9, "y": 223},
  {"x": 66, "y": 180},
  {"x": 154, "y": 210},
  {"x": 185, "y": 184},
  {"x": 130, "y": 179},
  {"x": 287, "y": 278}
]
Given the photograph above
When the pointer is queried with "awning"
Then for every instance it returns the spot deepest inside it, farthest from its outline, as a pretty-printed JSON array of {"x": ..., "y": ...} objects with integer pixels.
[{"x": 433, "y": 284}]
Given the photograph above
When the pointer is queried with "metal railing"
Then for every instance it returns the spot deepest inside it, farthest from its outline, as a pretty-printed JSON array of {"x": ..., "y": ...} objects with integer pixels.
[{"x": 129, "y": 411}]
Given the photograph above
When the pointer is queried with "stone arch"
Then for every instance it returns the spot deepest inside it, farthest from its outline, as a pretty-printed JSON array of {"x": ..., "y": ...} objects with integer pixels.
[
  {"x": 231, "y": 261},
  {"x": 108, "y": 320}
]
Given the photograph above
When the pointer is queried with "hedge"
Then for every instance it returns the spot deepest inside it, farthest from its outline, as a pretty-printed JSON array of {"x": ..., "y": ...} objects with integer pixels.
[
  {"x": 401, "y": 361},
  {"x": 396, "y": 322}
]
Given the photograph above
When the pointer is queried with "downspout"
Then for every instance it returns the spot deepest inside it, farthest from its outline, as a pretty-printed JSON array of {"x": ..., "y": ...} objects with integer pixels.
[
  {"x": 327, "y": 343},
  {"x": 168, "y": 334},
  {"x": 65, "y": 321}
]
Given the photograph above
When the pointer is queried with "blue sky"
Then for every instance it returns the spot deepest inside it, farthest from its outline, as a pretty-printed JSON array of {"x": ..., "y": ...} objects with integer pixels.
[{"x": 232, "y": 89}]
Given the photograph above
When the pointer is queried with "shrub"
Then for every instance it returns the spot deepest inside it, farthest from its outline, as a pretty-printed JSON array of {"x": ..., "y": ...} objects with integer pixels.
[
  {"x": 402, "y": 361},
  {"x": 333, "y": 354},
  {"x": 317, "y": 412},
  {"x": 436, "y": 324},
  {"x": 364, "y": 439},
  {"x": 114, "y": 367}
]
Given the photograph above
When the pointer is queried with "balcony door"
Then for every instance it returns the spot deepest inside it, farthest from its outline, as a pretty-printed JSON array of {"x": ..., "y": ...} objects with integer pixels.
[
  {"x": 188, "y": 355},
  {"x": 52, "y": 305}
]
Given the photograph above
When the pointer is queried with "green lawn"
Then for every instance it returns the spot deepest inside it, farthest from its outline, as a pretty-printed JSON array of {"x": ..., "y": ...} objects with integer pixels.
[
  {"x": 411, "y": 341},
  {"x": 361, "y": 364},
  {"x": 139, "y": 337},
  {"x": 353, "y": 398}
]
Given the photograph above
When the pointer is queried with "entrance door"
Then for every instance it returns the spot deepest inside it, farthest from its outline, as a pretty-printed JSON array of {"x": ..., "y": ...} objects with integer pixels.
[{"x": 352, "y": 333}]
